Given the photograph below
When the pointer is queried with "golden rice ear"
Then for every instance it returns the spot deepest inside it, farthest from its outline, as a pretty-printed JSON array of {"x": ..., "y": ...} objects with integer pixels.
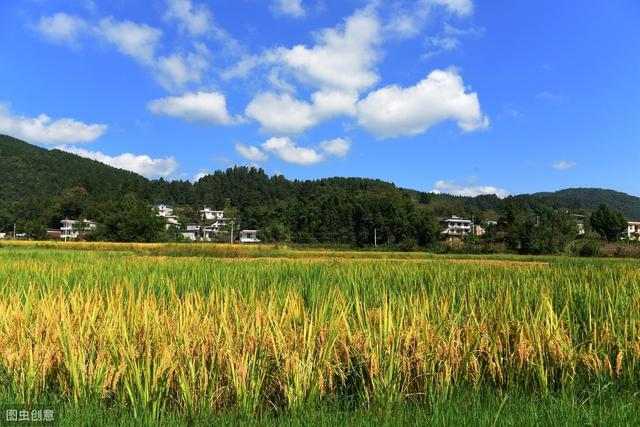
[{"x": 148, "y": 330}]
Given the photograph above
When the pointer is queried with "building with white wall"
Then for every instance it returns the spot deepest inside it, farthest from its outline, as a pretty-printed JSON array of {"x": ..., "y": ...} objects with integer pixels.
[
  {"x": 74, "y": 229},
  {"x": 249, "y": 236},
  {"x": 166, "y": 212},
  {"x": 633, "y": 230}
]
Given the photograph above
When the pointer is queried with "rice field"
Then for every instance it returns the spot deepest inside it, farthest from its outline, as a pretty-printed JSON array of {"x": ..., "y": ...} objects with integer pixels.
[{"x": 164, "y": 334}]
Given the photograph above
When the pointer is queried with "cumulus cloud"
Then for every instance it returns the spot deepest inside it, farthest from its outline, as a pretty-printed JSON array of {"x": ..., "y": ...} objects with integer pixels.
[
  {"x": 343, "y": 58},
  {"x": 394, "y": 111},
  {"x": 43, "y": 130},
  {"x": 287, "y": 150},
  {"x": 251, "y": 153},
  {"x": 62, "y": 28},
  {"x": 450, "y": 187},
  {"x": 202, "y": 107},
  {"x": 563, "y": 165},
  {"x": 338, "y": 147},
  {"x": 282, "y": 114},
  {"x": 196, "y": 20},
  {"x": 139, "y": 41},
  {"x": 176, "y": 70},
  {"x": 291, "y": 8},
  {"x": 141, "y": 164}
]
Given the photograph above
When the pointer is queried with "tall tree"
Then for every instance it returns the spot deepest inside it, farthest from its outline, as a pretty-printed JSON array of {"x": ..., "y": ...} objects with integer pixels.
[{"x": 607, "y": 223}]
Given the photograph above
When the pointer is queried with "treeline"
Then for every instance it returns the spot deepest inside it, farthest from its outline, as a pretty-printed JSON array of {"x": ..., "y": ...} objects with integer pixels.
[{"x": 40, "y": 187}]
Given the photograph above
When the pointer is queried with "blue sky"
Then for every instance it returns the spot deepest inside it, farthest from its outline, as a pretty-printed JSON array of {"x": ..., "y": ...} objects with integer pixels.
[{"x": 459, "y": 96}]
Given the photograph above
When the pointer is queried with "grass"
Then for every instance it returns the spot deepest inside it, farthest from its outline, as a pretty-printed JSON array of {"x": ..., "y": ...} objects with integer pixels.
[{"x": 268, "y": 335}]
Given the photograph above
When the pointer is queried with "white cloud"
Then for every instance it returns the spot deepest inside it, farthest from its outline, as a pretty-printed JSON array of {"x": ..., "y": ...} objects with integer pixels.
[
  {"x": 288, "y": 151},
  {"x": 141, "y": 164},
  {"x": 394, "y": 111},
  {"x": 409, "y": 18},
  {"x": 138, "y": 41},
  {"x": 203, "y": 107},
  {"x": 251, "y": 153},
  {"x": 563, "y": 165},
  {"x": 62, "y": 28},
  {"x": 338, "y": 147},
  {"x": 175, "y": 71},
  {"x": 197, "y": 177},
  {"x": 460, "y": 7},
  {"x": 282, "y": 114},
  {"x": 343, "y": 58},
  {"x": 43, "y": 130},
  {"x": 450, "y": 187},
  {"x": 196, "y": 20},
  {"x": 142, "y": 42},
  {"x": 291, "y": 8}
]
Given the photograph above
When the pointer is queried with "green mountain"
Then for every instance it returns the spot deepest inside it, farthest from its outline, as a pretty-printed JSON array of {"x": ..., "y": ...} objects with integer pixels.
[
  {"x": 38, "y": 187},
  {"x": 30, "y": 172},
  {"x": 591, "y": 198}
]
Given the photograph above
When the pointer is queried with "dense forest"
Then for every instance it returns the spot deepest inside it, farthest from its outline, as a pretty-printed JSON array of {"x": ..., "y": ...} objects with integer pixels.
[{"x": 40, "y": 187}]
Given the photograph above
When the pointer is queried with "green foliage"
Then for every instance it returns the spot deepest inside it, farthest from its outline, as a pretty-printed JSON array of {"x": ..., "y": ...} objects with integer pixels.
[
  {"x": 41, "y": 187},
  {"x": 588, "y": 249},
  {"x": 131, "y": 221},
  {"x": 609, "y": 224},
  {"x": 545, "y": 232}
]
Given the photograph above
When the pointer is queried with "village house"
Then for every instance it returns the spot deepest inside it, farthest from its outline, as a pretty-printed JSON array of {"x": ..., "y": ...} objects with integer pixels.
[
  {"x": 580, "y": 223},
  {"x": 212, "y": 222},
  {"x": 249, "y": 236},
  {"x": 166, "y": 212},
  {"x": 633, "y": 230},
  {"x": 74, "y": 229},
  {"x": 455, "y": 228}
]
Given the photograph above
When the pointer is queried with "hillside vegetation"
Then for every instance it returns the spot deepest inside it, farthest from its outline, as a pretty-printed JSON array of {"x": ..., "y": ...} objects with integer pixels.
[{"x": 40, "y": 187}]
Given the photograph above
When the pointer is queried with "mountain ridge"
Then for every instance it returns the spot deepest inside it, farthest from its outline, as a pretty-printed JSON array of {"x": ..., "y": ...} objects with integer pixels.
[{"x": 29, "y": 173}]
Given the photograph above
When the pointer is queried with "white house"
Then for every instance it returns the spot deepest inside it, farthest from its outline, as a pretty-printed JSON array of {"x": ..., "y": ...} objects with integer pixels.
[
  {"x": 455, "y": 228},
  {"x": 73, "y": 229},
  {"x": 197, "y": 232},
  {"x": 166, "y": 212},
  {"x": 3, "y": 235},
  {"x": 633, "y": 230},
  {"x": 580, "y": 223},
  {"x": 211, "y": 215},
  {"x": 249, "y": 236}
]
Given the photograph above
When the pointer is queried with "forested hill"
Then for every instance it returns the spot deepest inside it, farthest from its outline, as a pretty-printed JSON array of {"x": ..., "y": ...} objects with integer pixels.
[
  {"x": 38, "y": 187},
  {"x": 28, "y": 173},
  {"x": 590, "y": 198}
]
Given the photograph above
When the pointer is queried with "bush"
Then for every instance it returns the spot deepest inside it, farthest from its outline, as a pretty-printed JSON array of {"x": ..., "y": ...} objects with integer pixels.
[
  {"x": 408, "y": 244},
  {"x": 589, "y": 249}
]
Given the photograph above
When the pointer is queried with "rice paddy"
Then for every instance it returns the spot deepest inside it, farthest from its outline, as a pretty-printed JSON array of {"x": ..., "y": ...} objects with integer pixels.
[{"x": 166, "y": 334}]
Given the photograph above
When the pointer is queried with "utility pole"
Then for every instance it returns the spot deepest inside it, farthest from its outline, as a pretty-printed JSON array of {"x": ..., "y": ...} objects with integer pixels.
[
  {"x": 231, "y": 234},
  {"x": 375, "y": 237},
  {"x": 14, "y": 231}
]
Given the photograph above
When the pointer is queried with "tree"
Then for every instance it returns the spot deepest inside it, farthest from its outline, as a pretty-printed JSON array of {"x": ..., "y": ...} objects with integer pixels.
[
  {"x": 131, "y": 221},
  {"x": 607, "y": 223},
  {"x": 74, "y": 203},
  {"x": 544, "y": 232}
]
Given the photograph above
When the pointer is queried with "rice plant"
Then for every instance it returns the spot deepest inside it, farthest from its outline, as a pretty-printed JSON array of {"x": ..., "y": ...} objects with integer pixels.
[{"x": 158, "y": 335}]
